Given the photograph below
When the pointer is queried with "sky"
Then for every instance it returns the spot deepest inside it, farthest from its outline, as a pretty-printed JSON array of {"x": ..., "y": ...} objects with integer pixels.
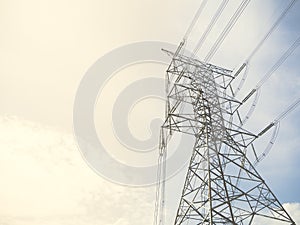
[{"x": 47, "y": 48}]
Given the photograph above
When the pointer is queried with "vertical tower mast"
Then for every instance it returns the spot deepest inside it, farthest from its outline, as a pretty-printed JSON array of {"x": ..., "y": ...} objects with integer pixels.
[{"x": 221, "y": 186}]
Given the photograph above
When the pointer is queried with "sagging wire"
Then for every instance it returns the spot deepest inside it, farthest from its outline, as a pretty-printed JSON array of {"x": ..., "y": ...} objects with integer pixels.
[
  {"x": 276, "y": 125},
  {"x": 260, "y": 44},
  {"x": 265, "y": 78}
]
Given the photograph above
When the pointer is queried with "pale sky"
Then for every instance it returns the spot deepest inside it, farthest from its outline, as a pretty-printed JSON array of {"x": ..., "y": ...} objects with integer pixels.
[{"x": 47, "y": 47}]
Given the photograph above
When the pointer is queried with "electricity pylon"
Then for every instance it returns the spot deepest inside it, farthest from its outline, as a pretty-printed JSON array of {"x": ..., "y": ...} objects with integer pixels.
[{"x": 222, "y": 185}]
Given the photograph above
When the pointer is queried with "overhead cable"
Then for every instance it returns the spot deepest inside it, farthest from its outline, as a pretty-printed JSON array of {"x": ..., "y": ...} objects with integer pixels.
[
  {"x": 270, "y": 31},
  {"x": 210, "y": 26},
  {"x": 195, "y": 19},
  {"x": 227, "y": 29}
]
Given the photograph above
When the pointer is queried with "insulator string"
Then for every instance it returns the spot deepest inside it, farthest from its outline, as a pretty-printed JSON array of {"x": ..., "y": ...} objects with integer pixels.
[{"x": 275, "y": 123}]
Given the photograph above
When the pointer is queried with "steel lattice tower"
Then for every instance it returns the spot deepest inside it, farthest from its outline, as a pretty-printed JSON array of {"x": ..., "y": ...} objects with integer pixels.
[{"x": 222, "y": 185}]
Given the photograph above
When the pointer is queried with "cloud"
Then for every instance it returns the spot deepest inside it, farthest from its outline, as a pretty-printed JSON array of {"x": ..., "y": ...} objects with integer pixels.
[
  {"x": 292, "y": 208},
  {"x": 44, "y": 180},
  {"x": 294, "y": 211}
]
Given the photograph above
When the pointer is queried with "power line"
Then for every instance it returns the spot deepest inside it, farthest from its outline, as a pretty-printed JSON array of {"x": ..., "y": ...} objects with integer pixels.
[
  {"x": 227, "y": 29},
  {"x": 273, "y": 27},
  {"x": 161, "y": 176},
  {"x": 210, "y": 26},
  {"x": 288, "y": 110},
  {"x": 278, "y": 63},
  {"x": 195, "y": 19},
  {"x": 266, "y": 77},
  {"x": 262, "y": 41}
]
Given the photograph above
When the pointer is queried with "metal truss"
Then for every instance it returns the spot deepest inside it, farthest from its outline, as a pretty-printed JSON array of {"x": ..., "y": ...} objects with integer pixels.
[{"x": 222, "y": 185}]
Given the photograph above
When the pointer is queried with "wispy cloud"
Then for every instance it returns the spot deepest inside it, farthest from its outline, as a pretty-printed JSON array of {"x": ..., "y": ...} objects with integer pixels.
[{"x": 44, "y": 180}]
